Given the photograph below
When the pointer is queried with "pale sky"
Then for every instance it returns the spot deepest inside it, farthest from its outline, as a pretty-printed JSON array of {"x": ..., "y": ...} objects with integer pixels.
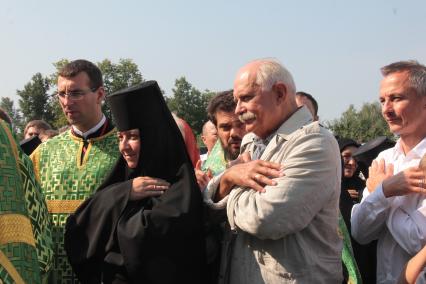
[{"x": 334, "y": 49}]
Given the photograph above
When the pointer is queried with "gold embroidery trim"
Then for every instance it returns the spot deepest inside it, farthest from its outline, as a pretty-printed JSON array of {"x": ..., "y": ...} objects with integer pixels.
[
  {"x": 11, "y": 270},
  {"x": 16, "y": 228},
  {"x": 11, "y": 141},
  {"x": 63, "y": 206}
]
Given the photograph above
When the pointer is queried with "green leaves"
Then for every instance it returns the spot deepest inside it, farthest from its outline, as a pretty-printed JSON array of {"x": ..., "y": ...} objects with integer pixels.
[
  {"x": 35, "y": 101},
  {"x": 189, "y": 103},
  {"x": 362, "y": 125}
]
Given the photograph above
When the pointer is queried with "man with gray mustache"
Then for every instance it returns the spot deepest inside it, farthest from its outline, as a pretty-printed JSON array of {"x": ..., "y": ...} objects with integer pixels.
[{"x": 281, "y": 199}]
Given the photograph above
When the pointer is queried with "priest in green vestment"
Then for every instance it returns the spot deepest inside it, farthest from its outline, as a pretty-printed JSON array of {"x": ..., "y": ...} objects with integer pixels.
[{"x": 70, "y": 166}]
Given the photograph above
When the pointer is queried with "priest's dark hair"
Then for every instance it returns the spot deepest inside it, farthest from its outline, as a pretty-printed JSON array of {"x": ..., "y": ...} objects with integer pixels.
[{"x": 75, "y": 67}]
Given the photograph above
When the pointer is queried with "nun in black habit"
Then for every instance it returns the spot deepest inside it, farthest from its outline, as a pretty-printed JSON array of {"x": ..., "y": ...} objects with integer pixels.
[{"x": 145, "y": 222}]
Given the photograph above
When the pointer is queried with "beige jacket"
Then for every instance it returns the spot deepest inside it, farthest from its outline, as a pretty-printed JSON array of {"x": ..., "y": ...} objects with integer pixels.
[{"x": 289, "y": 234}]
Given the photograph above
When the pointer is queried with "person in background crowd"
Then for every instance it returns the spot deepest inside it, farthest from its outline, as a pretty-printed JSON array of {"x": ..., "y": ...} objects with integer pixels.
[
  {"x": 209, "y": 137},
  {"x": 47, "y": 134},
  {"x": 230, "y": 132},
  {"x": 309, "y": 101},
  {"x": 282, "y": 198},
  {"x": 368, "y": 151},
  {"x": 393, "y": 206},
  {"x": 189, "y": 138},
  {"x": 35, "y": 127},
  {"x": 352, "y": 186},
  {"x": 70, "y": 166},
  {"x": 5, "y": 116}
]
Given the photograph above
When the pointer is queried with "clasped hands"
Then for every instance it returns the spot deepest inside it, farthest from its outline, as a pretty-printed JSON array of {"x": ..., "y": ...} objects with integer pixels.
[
  {"x": 251, "y": 174},
  {"x": 410, "y": 180}
]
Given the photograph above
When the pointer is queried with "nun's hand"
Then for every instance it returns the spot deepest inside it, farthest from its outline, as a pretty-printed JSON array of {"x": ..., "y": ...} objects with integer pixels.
[{"x": 143, "y": 187}]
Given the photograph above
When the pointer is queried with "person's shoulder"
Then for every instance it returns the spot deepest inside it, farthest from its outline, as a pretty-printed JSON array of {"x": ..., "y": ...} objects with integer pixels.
[
  {"x": 316, "y": 128},
  {"x": 52, "y": 142},
  {"x": 386, "y": 154},
  {"x": 247, "y": 139}
]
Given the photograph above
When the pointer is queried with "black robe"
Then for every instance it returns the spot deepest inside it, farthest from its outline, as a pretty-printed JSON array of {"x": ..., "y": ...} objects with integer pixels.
[
  {"x": 156, "y": 240},
  {"x": 365, "y": 255}
]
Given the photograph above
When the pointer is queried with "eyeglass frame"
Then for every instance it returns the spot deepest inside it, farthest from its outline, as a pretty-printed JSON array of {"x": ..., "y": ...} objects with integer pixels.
[{"x": 75, "y": 95}]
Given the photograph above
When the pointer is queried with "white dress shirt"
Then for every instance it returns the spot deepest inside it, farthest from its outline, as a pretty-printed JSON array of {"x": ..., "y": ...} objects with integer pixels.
[{"x": 398, "y": 223}]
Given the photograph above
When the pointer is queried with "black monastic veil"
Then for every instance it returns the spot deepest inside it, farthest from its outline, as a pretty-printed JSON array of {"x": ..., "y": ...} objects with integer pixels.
[{"x": 111, "y": 239}]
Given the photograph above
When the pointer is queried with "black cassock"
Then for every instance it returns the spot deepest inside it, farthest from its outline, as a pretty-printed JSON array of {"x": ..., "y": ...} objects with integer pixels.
[
  {"x": 158, "y": 240},
  {"x": 111, "y": 239}
]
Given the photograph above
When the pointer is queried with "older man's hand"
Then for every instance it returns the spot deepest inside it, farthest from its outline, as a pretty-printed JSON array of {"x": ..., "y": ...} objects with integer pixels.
[{"x": 252, "y": 174}]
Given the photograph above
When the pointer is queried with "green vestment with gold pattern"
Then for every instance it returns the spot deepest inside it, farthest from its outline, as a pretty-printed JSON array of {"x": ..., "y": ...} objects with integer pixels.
[
  {"x": 67, "y": 180},
  {"x": 215, "y": 161},
  {"x": 18, "y": 255},
  {"x": 40, "y": 218}
]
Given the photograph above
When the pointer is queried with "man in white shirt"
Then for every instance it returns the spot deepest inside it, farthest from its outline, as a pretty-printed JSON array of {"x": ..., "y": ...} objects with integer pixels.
[{"x": 393, "y": 207}]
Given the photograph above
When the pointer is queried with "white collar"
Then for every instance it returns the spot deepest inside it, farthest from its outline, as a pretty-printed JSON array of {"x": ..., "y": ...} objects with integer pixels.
[
  {"x": 417, "y": 152},
  {"x": 91, "y": 130}
]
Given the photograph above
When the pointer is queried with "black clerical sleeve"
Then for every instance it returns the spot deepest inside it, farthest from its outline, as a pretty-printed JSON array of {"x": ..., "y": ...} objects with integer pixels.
[{"x": 158, "y": 240}]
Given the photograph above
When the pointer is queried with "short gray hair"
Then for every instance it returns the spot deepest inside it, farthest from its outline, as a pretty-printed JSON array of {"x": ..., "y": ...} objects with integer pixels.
[
  {"x": 270, "y": 72},
  {"x": 416, "y": 74}
]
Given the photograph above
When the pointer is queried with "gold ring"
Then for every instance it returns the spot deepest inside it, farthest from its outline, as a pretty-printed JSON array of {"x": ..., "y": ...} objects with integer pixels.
[
  {"x": 155, "y": 186},
  {"x": 256, "y": 176}
]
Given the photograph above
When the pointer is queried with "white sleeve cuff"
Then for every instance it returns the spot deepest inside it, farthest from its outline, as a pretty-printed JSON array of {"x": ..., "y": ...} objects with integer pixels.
[
  {"x": 378, "y": 197},
  {"x": 210, "y": 192}
]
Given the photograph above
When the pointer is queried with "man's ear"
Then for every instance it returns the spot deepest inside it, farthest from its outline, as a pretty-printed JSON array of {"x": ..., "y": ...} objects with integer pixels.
[
  {"x": 280, "y": 89},
  {"x": 100, "y": 94}
]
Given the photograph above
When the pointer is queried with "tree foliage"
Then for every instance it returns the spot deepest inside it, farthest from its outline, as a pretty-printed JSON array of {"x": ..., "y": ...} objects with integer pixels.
[
  {"x": 35, "y": 101},
  {"x": 189, "y": 103},
  {"x": 121, "y": 75},
  {"x": 118, "y": 76},
  {"x": 362, "y": 125},
  {"x": 8, "y": 106}
]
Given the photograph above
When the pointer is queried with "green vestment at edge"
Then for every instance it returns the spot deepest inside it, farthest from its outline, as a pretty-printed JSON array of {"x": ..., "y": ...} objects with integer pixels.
[
  {"x": 25, "y": 235},
  {"x": 67, "y": 180}
]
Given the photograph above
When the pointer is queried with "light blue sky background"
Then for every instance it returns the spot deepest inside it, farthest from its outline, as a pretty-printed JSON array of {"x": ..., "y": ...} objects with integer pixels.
[{"x": 334, "y": 49}]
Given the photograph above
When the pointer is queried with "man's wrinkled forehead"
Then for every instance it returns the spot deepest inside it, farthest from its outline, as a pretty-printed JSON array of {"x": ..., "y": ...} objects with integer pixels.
[{"x": 245, "y": 82}]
